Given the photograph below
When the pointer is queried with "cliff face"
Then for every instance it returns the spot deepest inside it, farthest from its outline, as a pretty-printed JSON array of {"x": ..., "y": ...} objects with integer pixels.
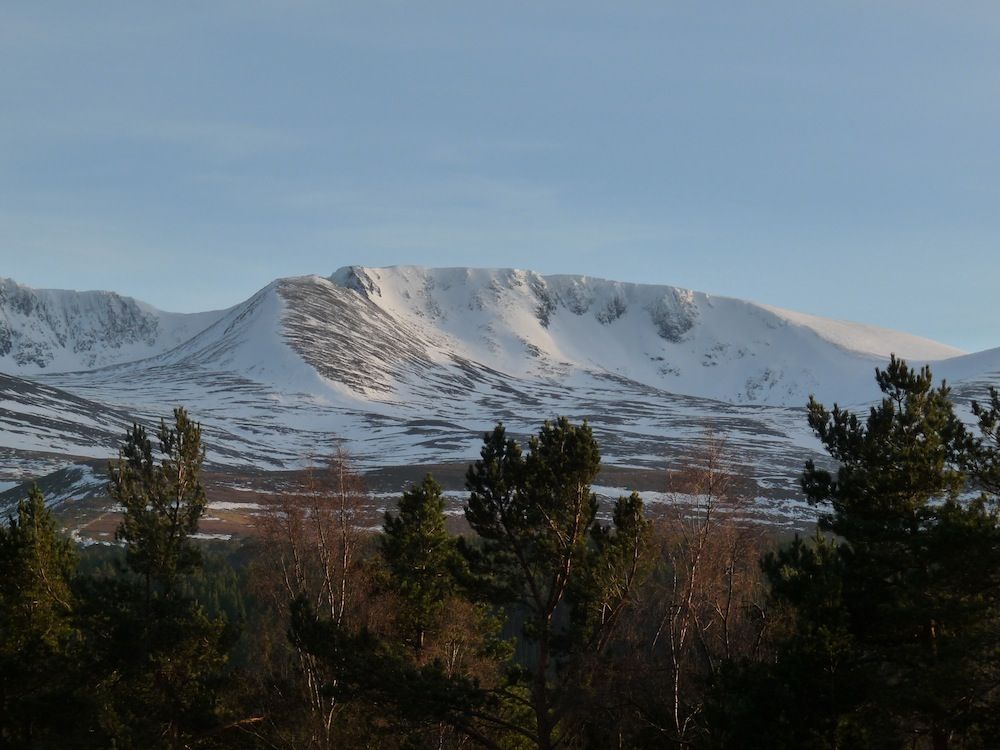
[{"x": 55, "y": 330}]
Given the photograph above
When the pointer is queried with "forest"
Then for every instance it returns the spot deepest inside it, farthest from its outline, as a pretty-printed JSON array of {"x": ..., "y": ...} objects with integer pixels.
[{"x": 547, "y": 621}]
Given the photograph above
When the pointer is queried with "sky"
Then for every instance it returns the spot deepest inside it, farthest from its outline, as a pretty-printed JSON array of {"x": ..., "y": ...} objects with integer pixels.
[{"x": 837, "y": 158}]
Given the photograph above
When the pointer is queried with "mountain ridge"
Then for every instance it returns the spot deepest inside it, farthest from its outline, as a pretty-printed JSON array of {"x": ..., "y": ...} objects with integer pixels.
[
  {"x": 409, "y": 366},
  {"x": 62, "y": 330},
  {"x": 132, "y": 330}
]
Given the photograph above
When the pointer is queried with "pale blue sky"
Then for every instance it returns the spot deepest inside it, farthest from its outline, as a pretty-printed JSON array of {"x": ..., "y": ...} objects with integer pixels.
[{"x": 838, "y": 158}]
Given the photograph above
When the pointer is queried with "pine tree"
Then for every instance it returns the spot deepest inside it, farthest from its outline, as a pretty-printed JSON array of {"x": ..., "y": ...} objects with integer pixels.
[
  {"x": 983, "y": 459},
  {"x": 541, "y": 553},
  {"x": 162, "y": 501},
  {"x": 37, "y": 634},
  {"x": 420, "y": 556},
  {"x": 897, "y": 616},
  {"x": 159, "y": 656},
  {"x": 38, "y": 565},
  {"x": 540, "y": 557}
]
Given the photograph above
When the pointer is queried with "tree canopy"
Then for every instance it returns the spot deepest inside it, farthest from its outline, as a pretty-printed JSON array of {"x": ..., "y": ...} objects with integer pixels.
[{"x": 896, "y": 635}]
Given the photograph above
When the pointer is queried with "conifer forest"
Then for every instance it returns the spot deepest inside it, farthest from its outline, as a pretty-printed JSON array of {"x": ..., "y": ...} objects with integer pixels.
[{"x": 537, "y": 618}]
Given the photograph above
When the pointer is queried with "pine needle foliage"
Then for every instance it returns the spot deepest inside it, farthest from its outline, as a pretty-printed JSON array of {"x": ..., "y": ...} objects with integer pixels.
[
  {"x": 162, "y": 500},
  {"x": 897, "y": 611}
]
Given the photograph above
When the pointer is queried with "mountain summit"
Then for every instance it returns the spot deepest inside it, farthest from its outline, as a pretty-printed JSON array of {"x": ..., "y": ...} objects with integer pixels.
[
  {"x": 410, "y": 365},
  {"x": 513, "y": 321}
]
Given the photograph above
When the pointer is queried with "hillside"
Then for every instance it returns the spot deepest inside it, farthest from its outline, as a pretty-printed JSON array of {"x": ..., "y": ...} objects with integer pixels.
[
  {"x": 53, "y": 330},
  {"x": 408, "y": 366}
]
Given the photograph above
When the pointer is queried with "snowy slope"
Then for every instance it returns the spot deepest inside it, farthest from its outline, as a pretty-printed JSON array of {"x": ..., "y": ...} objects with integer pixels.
[
  {"x": 364, "y": 332},
  {"x": 865, "y": 339},
  {"x": 410, "y": 366},
  {"x": 681, "y": 341},
  {"x": 51, "y": 330},
  {"x": 971, "y": 376}
]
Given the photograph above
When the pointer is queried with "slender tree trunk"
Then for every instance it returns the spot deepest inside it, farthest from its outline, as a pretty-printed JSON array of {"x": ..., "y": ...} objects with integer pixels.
[{"x": 543, "y": 718}]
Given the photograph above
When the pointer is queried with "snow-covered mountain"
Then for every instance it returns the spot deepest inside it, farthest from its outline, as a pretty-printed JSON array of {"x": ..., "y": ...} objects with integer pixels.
[
  {"x": 682, "y": 341},
  {"x": 411, "y": 365},
  {"x": 52, "y": 330}
]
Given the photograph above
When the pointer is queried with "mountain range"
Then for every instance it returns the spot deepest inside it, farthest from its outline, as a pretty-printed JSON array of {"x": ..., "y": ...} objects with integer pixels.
[{"x": 409, "y": 366}]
